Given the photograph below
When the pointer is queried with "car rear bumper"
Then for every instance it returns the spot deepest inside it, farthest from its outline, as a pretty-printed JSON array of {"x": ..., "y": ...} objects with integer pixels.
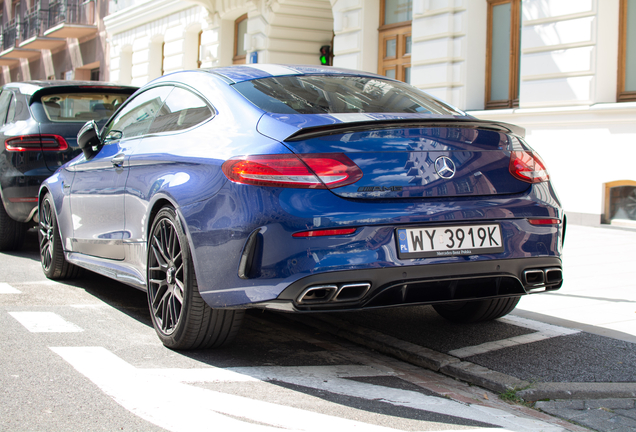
[{"x": 424, "y": 284}]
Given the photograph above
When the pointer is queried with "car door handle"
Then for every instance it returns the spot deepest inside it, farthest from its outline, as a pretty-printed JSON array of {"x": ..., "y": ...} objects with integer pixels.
[{"x": 118, "y": 160}]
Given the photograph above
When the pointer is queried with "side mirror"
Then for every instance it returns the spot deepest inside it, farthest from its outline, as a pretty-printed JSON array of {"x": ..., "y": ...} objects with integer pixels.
[{"x": 88, "y": 139}]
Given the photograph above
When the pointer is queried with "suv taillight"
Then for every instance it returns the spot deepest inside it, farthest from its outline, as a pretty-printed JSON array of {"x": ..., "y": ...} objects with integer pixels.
[
  {"x": 45, "y": 142},
  {"x": 528, "y": 167},
  {"x": 305, "y": 171}
]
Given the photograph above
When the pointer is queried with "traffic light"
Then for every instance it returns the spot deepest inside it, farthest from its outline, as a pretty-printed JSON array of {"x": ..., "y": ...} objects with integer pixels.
[{"x": 325, "y": 55}]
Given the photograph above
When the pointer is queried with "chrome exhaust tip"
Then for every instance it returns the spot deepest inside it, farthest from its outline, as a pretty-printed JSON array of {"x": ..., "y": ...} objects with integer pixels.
[
  {"x": 553, "y": 276},
  {"x": 351, "y": 292},
  {"x": 534, "y": 277},
  {"x": 317, "y": 294}
]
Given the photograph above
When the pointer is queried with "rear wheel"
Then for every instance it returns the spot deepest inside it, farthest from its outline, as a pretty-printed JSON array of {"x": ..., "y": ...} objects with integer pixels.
[
  {"x": 180, "y": 317},
  {"x": 11, "y": 231},
  {"x": 52, "y": 258},
  {"x": 476, "y": 311}
]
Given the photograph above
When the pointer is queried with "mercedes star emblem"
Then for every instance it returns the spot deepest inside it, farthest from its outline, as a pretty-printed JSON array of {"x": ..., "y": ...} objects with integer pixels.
[{"x": 445, "y": 167}]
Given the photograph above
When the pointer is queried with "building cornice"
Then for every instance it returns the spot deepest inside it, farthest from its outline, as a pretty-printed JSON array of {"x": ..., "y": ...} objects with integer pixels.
[{"x": 143, "y": 13}]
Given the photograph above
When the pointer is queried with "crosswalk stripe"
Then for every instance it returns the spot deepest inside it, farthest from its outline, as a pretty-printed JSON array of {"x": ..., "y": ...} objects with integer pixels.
[
  {"x": 5, "y": 288},
  {"x": 45, "y": 322},
  {"x": 161, "y": 396}
]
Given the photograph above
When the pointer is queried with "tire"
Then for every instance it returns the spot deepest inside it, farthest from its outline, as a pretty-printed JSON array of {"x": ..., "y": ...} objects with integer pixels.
[
  {"x": 180, "y": 317},
  {"x": 11, "y": 232},
  {"x": 54, "y": 264},
  {"x": 476, "y": 311}
]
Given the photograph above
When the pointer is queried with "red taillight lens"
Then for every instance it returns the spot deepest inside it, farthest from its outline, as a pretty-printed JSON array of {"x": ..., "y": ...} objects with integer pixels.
[
  {"x": 45, "y": 142},
  {"x": 528, "y": 167},
  {"x": 310, "y": 171},
  {"x": 544, "y": 221},
  {"x": 325, "y": 232}
]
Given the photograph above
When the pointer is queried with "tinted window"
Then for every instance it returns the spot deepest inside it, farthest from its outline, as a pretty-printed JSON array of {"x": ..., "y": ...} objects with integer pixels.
[
  {"x": 65, "y": 107},
  {"x": 5, "y": 98},
  {"x": 182, "y": 110},
  {"x": 11, "y": 111},
  {"x": 313, "y": 94},
  {"x": 135, "y": 118}
]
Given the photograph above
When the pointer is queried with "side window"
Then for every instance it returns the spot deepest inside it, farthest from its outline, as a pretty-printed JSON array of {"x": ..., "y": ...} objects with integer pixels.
[
  {"x": 11, "y": 111},
  {"x": 136, "y": 117},
  {"x": 5, "y": 99},
  {"x": 182, "y": 110}
]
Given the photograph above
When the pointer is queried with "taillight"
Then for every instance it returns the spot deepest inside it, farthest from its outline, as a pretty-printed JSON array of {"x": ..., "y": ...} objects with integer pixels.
[
  {"x": 325, "y": 232},
  {"x": 308, "y": 171},
  {"x": 46, "y": 142},
  {"x": 544, "y": 221},
  {"x": 528, "y": 167}
]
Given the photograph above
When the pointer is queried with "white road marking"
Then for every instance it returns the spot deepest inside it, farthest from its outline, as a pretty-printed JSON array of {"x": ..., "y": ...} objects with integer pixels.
[
  {"x": 5, "y": 288},
  {"x": 45, "y": 322},
  {"x": 161, "y": 396},
  {"x": 544, "y": 331}
]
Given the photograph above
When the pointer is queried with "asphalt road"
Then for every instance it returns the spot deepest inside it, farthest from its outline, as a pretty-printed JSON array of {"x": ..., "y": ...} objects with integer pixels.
[{"x": 83, "y": 356}]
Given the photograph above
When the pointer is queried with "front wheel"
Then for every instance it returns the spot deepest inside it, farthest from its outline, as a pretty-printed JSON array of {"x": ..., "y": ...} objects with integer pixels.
[
  {"x": 476, "y": 311},
  {"x": 52, "y": 258},
  {"x": 180, "y": 317}
]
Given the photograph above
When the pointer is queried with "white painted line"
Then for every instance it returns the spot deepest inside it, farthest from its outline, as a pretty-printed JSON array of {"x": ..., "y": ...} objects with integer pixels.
[
  {"x": 45, "y": 322},
  {"x": 42, "y": 282},
  {"x": 538, "y": 325},
  {"x": 161, "y": 397},
  {"x": 544, "y": 331},
  {"x": 5, "y": 288}
]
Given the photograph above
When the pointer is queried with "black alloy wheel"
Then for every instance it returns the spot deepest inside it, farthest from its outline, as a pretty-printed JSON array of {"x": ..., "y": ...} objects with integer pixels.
[
  {"x": 180, "y": 317},
  {"x": 54, "y": 263}
]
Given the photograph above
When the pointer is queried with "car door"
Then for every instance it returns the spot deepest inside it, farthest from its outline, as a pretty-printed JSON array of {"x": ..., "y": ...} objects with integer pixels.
[
  {"x": 97, "y": 192},
  {"x": 166, "y": 159}
]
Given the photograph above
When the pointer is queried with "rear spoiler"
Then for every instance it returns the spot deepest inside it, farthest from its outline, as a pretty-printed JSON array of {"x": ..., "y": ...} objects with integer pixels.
[{"x": 342, "y": 128}]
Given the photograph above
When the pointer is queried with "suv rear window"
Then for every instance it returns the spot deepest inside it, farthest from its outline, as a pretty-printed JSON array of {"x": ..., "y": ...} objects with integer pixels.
[
  {"x": 72, "y": 107},
  {"x": 329, "y": 94}
]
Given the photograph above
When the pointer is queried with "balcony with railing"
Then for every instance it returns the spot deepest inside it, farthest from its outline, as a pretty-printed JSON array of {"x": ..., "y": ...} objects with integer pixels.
[
  {"x": 71, "y": 19},
  {"x": 41, "y": 28}
]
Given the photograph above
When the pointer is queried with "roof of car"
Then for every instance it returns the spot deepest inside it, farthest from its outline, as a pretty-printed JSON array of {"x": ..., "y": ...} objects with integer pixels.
[{"x": 241, "y": 73}]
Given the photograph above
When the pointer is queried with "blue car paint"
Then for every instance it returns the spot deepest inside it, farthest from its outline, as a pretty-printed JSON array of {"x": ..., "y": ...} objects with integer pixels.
[{"x": 218, "y": 215}]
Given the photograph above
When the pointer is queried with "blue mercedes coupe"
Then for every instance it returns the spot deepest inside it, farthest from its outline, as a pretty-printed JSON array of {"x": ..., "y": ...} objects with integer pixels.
[{"x": 301, "y": 189}]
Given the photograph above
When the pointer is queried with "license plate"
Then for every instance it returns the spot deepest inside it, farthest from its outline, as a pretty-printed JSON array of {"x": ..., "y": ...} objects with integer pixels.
[{"x": 444, "y": 241}]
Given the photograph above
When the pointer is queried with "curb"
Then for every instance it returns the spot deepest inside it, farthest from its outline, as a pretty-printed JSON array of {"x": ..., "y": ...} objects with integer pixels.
[
  {"x": 573, "y": 391},
  {"x": 463, "y": 370}
]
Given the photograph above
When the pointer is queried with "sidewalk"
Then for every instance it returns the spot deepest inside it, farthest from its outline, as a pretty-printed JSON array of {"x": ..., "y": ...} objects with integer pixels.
[
  {"x": 598, "y": 298},
  {"x": 599, "y": 290}
]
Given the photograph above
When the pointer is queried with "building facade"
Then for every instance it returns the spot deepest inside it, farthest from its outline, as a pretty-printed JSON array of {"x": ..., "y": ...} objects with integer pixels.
[
  {"x": 52, "y": 39},
  {"x": 564, "y": 70}
]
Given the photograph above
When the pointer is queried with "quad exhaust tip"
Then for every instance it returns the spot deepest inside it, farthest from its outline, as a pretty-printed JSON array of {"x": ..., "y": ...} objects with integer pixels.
[
  {"x": 333, "y": 293},
  {"x": 541, "y": 278}
]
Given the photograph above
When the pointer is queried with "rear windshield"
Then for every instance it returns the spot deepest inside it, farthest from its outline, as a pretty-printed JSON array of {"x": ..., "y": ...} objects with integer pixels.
[
  {"x": 320, "y": 94},
  {"x": 67, "y": 107}
]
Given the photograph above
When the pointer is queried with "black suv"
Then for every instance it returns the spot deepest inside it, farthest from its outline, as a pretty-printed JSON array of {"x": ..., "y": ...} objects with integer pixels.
[{"x": 39, "y": 121}]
